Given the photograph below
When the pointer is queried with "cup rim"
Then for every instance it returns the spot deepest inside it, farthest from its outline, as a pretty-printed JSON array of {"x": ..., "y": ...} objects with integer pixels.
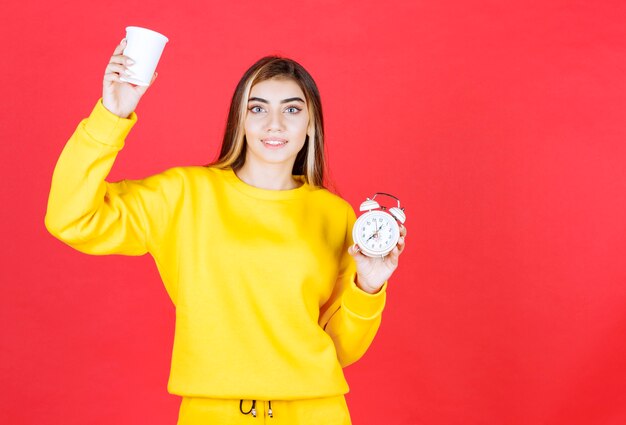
[{"x": 147, "y": 29}]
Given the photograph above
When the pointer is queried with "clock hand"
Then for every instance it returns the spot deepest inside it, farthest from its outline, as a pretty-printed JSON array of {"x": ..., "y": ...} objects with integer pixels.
[{"x": 376, "y": 232}]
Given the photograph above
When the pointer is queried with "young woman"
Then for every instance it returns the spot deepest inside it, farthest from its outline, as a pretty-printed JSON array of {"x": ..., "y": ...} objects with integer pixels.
[{"x": 272, "y": 297}]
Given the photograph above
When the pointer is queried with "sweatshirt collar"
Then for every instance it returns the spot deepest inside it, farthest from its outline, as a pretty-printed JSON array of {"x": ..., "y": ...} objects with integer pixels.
[{"x": 268, "y": 194}]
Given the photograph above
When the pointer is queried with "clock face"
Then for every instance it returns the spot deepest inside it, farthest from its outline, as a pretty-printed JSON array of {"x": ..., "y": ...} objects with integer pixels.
[{"x": 376, "y": 232}]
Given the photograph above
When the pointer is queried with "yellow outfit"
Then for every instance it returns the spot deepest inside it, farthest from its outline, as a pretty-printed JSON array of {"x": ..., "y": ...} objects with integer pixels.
[
  {"x": 315, "y": 411},
  {"x": 263, "y": 285}
]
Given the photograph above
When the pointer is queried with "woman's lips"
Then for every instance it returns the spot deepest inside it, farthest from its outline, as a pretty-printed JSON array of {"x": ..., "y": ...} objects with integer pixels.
[{"x": 274, "y": 143}]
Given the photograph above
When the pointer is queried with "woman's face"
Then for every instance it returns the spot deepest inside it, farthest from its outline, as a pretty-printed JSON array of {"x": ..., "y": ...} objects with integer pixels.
[{"x": 276, "y": 122}]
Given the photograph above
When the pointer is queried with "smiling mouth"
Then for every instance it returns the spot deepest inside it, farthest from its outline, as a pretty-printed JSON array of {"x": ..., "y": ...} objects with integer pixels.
[{"x": 274, "y": 142}]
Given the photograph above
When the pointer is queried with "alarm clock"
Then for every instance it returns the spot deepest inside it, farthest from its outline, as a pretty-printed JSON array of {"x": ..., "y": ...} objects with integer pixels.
[{"x": 377, "y": 231}]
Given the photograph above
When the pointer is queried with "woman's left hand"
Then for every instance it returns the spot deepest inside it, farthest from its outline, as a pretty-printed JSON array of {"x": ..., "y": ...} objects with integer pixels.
[{"x": 373, "y": 272}]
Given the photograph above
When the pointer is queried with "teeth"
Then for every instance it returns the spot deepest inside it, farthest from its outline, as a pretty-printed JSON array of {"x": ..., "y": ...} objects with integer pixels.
[{"x": 274, "y": 142}]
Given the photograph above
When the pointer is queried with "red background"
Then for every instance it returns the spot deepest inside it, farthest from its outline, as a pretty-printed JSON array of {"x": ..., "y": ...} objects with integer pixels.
[{"x": 500, "y": 125}]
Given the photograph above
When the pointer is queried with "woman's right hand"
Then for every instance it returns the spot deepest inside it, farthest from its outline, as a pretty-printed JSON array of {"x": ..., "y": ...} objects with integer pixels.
[{"x": 120, "y": 97}]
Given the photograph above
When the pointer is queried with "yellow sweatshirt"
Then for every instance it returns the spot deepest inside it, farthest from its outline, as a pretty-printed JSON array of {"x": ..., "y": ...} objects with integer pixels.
[{"x": 263, "y": 285}]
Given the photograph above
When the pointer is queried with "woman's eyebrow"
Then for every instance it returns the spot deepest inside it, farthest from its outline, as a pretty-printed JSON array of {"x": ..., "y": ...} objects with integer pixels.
[{"x": 291, "y": 99}]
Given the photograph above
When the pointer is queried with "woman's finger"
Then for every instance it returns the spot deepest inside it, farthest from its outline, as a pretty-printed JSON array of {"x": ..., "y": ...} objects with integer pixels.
[
  {"x": 120, "y": 69},
  {"x": 154, "y": 77},
  {"x": 353, "y": 249},
  {"x": 401, "y": 244},
  {"x": 112, "y": 77},
  {"x": 126, "y": 60},
  {"x": 142, "y": 89},
  {"x": 393, "y": 256},
  {"x": 118, "y": 57},
  {"x": 120, "y": 47}
]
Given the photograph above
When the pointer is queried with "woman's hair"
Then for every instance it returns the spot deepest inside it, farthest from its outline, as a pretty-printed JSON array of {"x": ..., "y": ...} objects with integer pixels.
[{"x": 310, "y": 160}]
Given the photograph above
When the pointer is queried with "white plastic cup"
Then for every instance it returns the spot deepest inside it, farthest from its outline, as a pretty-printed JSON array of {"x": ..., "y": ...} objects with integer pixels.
[{"x": 145, "y": 47}]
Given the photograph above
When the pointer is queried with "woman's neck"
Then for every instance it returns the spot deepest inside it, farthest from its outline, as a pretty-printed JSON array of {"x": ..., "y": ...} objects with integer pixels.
[{"x": 269, "y": 177}]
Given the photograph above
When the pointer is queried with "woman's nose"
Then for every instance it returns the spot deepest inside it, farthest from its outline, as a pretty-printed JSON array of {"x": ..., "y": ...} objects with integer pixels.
[{"x": 275, "y": 121}]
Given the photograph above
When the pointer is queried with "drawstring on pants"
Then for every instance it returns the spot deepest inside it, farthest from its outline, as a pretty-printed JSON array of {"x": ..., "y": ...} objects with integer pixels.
[{"x": 253, "y": 409}]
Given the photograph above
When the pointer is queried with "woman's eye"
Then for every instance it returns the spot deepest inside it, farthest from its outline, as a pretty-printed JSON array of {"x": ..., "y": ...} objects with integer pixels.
[
  {"x": 293, "y": 109},
  {"x": 256, "y": 109}
]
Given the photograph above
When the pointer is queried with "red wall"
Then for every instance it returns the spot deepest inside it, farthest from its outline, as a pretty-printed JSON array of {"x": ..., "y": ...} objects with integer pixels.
[{"x": 499, "y": 124}]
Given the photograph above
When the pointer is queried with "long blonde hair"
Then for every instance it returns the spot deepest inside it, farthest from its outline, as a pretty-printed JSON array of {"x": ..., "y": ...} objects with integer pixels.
[{"x": 310, "y": 161}]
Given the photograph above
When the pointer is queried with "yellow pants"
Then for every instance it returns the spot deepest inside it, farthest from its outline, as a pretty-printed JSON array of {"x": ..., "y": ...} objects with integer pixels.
[{"x": 316, "y": 411}]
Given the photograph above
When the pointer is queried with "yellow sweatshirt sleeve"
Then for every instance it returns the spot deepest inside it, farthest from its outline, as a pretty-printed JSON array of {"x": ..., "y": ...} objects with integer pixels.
[
  {"x": 95, "y": 216},
  {"x": 351, "y": 316}
]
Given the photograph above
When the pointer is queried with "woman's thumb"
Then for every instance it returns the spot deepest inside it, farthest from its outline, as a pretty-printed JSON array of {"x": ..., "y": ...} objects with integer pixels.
[
  {"x": 143, "y": 89},
  {"x": 353, "y": 250}
]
